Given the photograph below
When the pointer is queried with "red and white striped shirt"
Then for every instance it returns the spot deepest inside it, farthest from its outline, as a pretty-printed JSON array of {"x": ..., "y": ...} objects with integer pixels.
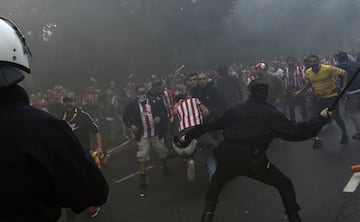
[
  {"x": 147, "y": 119},
  {"x": 168, "y": 98},
  {"x": 188, "y": 113},
  {"x": 294, "y": 79}
]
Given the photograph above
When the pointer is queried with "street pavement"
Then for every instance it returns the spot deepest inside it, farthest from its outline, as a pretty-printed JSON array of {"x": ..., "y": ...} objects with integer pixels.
[{"x": 319, "y": 177}]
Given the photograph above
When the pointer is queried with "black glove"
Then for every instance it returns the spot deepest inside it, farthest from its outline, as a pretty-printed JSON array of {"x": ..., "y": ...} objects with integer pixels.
[{"x": 188, "y": 138}]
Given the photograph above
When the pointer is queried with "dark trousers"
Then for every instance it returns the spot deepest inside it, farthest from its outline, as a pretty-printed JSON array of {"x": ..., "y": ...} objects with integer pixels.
[
  {"x": 292, "y": 102},
  {"x": 230, "y": 166},
  {"x": 320, "y": 104}
]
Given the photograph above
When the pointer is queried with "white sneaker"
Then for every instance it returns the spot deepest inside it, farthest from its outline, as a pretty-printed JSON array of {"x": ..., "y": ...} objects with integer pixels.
[
  {"x": 94, "y": 211},
  {"x": 191, "y": 171}
]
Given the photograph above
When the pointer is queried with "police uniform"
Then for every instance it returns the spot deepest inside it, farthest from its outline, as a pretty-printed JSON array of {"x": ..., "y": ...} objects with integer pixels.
[
  {"x": 248, "y": 129},
  {"x": 43, "y": 165}
]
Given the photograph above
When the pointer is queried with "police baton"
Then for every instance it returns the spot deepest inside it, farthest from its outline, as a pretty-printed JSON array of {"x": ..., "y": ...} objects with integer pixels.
[{"x": 332, "y": 107}]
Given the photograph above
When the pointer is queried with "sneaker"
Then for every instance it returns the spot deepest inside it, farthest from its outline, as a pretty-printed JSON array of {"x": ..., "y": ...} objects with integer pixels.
[
  {"x": 93, "y": 211},
  {"x": 190, "y": 174},
  {"x": 344, "y": 139},
  {"x": 166, "y": 171},
  {"x": 164, "y": 167},
  {"x": 317, "y": 144},
  {"x": 356, "y": 136},
  {"x": 143, "y": 181},
  {"x": 294, "y": 218},
  {"x": 207, "y": 216}
]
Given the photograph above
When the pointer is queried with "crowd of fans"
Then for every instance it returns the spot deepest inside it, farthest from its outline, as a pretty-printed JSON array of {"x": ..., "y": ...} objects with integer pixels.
[{"x": 106, "y": 104}]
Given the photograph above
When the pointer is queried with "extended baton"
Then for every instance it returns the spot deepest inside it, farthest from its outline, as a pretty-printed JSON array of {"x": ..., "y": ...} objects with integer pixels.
[{"x": 332, "y": 107}]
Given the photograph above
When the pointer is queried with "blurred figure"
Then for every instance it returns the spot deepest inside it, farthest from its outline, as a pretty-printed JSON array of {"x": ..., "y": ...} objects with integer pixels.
[
  {"x": 91, "y": 99},
  {"x": 251, "y": 75},
  {"x": 146, "y": 118},
  {"x": 167, "y": 97},
  {"x": 321, "y": 79},
  {"x": 44, "y": 166},
  {"x": 278, "y": 71},
  {"x": 112, "y": 113},
  {"x": 309, "y": 97},
  {"x": 229, "y": 86},
  {"x": 352, "y": 105},
  {"x": 277, "y": 87},
  {"x": 294, "y": 80},
  {"x": 82, "y": 124},
  {"x": 213, "y": 100},
  {"x": 210, "y": 96}
]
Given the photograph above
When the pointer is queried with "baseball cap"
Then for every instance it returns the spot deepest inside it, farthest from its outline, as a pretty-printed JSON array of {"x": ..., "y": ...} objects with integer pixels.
[{"x": 261, "y": 65}]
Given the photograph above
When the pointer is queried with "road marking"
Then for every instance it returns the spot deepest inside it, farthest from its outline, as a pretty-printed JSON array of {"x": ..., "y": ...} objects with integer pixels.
[
  {"x": 120, "y": 146},
  {"x": 353, "y": 183},
  {"x": 133, "y": 174}
]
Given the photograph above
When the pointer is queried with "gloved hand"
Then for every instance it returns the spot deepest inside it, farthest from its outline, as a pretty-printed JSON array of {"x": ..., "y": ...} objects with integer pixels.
[{"x": 184, "y": 138}]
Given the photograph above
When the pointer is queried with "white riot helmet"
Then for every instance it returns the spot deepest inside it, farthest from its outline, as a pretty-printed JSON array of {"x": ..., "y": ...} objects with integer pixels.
[
  {"x": 13, "y": 48},
  {"x": 184, "y": 151}
]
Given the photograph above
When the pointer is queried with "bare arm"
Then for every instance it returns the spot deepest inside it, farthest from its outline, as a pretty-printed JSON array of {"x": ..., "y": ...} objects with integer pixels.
[
  {"x": 204, "y": 110},
  {"x": 99, "y": 142}
]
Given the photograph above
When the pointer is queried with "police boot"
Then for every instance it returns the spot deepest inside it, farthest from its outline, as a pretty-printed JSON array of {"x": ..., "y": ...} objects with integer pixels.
[
  {"x": 208, "y": 212},
  {"x": 164, "y": 167},
  {"x": 294, "y": 218}
]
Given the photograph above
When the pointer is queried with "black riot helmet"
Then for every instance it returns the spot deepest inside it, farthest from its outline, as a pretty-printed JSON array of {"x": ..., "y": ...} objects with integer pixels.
[{"x": 259, "y": 89}]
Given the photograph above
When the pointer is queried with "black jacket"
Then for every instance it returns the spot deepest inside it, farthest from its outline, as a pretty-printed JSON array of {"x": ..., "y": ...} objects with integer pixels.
[
  {"x": 132, "y": 115},
  {"x": 82, "y": 126},
  {"x": 43, "y": 166},
  {"x": 351, "y": 67},
  {"x": 212, "y": 98},
  {"x": 253, "y": 125},
  {"x": 229, "y": 87}
]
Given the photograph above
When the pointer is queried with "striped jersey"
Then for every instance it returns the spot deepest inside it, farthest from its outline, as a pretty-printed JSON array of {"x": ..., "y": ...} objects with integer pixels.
[
  {"x": 188, "y": 113},
  {"x": 294, "y": 79},
  {"x": 168, "y": 99},
  {"x": 147, "y": 119}
]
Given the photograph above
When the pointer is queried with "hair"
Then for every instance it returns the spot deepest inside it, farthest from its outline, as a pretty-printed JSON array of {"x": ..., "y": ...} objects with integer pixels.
[
  {"x": 290, "y": 58},
  {"x": 192, "y": 75},
  {"x": 139, "y": 86},
  {"x": 259, "y": 89},
  {"x": 156, "y": 83},
  {"x": 342, "y": 56},
  {"x": 314, "y": 56},
  {"x": 223, "y": 70},
  {"x": 180, "y": 97}
]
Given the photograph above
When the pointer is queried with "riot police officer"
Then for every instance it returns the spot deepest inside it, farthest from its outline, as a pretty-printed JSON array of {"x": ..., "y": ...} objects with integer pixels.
[
  {"x": 248, "y": 129},
  {"x": 42, "y": 163}
]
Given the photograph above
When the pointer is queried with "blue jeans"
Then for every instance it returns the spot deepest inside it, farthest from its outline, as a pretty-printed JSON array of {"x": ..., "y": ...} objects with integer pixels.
[{"x": 207, "y": 144}]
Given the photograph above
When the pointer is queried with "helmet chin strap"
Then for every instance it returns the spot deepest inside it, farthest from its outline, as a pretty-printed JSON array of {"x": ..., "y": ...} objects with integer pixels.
[{"x": 9, "y": 76}]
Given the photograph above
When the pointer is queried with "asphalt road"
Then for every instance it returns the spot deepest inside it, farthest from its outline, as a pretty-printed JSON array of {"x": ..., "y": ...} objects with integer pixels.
[{"x": 319, "y": 177}]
